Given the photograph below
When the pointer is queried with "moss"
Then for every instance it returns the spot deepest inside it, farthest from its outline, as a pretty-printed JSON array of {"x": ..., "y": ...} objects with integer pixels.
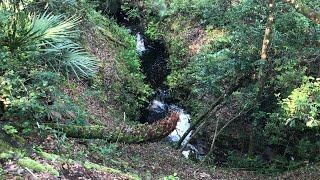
[
  {"x": 87, "y": 165},
  {"x": 7, "y": 151},
  {"x": 4, "y": 146},
  {"x": 34, "y": 165},
  {"x": 90, "y": 165},
  {"x": 7, "y": 155},
  {"x": 50, "y": 157}
]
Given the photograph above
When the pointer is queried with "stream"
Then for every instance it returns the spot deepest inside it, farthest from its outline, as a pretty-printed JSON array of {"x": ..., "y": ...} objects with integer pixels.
[{"x": 153, "y": 55}]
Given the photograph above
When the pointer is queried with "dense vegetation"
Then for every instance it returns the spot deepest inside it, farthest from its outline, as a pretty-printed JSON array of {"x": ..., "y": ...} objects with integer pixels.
[
  {"x": 248, "y": 71},
  {"x": 270, "y": 48}
]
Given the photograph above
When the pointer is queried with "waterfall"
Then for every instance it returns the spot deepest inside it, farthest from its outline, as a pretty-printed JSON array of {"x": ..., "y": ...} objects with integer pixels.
[
  {"x": 140, "y": 44},
  {"x": 182, "y": 126},
  {"x": 153, "y": 65}
]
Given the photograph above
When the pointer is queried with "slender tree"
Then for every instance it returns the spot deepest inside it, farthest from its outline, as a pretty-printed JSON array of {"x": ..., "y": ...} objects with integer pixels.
[{"x": 265, "y": 47}]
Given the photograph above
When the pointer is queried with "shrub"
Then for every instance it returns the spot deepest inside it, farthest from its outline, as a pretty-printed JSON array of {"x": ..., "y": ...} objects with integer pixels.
[
  {"x": 303, "y": 103},
  {"x": 42, "y": 40}
]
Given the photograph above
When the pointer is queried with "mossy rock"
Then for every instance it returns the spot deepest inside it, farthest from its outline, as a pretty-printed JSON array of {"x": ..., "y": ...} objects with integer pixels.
[
  {"x": 9, "y": 152},
  {"x": 36, "y": 166}
]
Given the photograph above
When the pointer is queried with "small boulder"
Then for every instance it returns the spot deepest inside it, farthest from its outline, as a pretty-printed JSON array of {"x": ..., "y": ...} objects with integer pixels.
[{"x": 157, "y": 110}]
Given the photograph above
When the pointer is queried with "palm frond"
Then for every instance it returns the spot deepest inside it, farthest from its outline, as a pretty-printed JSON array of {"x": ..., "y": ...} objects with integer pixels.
[
  {"x": 48, "y": 27},
  {"x": 81, "y": 63},
  {"x": 48, "y": 37},
  {"x": 73, "y": 59}
]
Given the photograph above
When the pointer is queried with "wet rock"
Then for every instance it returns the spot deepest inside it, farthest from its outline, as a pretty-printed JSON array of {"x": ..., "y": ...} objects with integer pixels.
[
  {"x": 157, "y": 110},
  {"x": 201, "y": 145},
  {"x": 163, "y": 95},
  {"x": 189, "y": 151},
  {"x": 196, "y": 150}
]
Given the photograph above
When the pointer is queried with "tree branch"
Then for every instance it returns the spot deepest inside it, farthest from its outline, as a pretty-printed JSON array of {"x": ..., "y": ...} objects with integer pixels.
[
  {"x": 217, "y": 133},
  {"x": 212, "y": 109}
]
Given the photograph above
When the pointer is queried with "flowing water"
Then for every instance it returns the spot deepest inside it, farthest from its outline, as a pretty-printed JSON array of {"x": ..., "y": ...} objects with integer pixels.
[
  {"x": 153, "y": 57},
  {"x": 140, "y": 44},
  {"x": 154, "y": 66}
]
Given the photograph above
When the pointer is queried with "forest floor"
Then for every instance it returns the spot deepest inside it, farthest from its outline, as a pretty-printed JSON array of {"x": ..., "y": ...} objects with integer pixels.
[{"x": 90, "y": 159}]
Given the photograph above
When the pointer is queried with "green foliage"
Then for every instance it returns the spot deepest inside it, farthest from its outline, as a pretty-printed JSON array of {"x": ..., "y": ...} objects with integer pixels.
[
  {"x": 198, "y": 78},
  {"x": 43, "y": 40},
  {"x": 295, "y": 126},
  {"x": 64, "y": 108},
  {"x": 303, "y": 103},
  {"x": 295, "y": 143},
  {"x": 172, "y": 177},
  {"x": 35, "y": 50},
  {"x": 61, "y": 7},
  {"x": 211, "y": 43},
  {"x": 131, "y": 12},
  {"x": 22, "y": 97},
  {"x": 162, "y": 8},
  {"x": 9, "y": 129},
  {"x": 107, "y": 150},
  {"x": 245, "y": 161},
  {"x": 153, "y": 30},
  {"x": 132, "y": 85},
  {"x": 130, "y": 89}
]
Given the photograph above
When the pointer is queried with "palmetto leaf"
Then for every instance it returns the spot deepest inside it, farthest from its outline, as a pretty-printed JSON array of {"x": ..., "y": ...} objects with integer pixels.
[
  {"x": 47, "y": 38},
  {"x": 54, "y": 33},
  {"x": 47, "y": 27},
  {"x": 81, "y": 62},
  {"x": 73, "y": 59}
]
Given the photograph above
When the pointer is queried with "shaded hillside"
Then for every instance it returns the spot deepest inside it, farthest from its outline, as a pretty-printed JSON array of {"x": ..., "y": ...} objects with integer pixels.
[{"x": 92, "y": 89}]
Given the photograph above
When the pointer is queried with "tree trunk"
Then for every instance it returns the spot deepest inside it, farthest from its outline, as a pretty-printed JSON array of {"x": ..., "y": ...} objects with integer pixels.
[
  {"x": 134, "y": 134},
  {"x": 305, "y": 10},
  {"x": 266, "y": 62},
  {"x": 267, "y": 32}
]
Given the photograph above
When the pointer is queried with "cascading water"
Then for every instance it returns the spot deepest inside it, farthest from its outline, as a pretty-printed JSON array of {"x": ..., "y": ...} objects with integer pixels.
[
  {"x": 140, "y": 44},
  {"x": 154, "y": 66},
  {"x": 153, "y": 57},
  {"x": 182, "y": 126}
]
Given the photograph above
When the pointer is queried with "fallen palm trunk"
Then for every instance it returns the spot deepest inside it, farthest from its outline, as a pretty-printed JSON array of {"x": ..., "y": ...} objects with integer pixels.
[{"x": 131, "y": 134}]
